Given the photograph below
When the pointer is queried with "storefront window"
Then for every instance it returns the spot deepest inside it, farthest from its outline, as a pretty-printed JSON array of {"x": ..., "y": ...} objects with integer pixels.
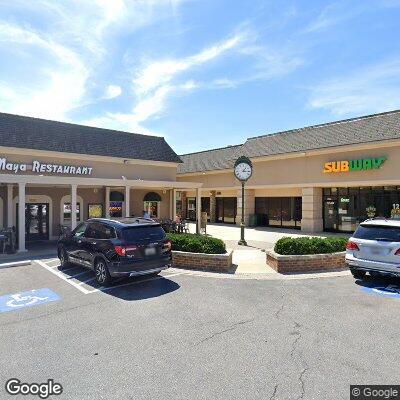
[
  {"x": 284, "y": 212},
  {"x": 226, "y": 209},
  {"x": 67, "y": 212},
  {"x": 116, "y": 209},
  {"x": 152, "y": 208},
  {"x": 345, "y": 212},
  {"x": 95, "y": 210}
]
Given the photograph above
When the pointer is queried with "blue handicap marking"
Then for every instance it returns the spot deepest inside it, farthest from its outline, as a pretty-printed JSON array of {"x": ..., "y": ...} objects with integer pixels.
[
  {"x": 12, "y": 302},
  {"x": 386, "y": 291}
]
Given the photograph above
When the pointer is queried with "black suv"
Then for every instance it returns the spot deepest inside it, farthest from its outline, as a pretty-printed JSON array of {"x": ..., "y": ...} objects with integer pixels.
[{"x": 116, "y": 248}]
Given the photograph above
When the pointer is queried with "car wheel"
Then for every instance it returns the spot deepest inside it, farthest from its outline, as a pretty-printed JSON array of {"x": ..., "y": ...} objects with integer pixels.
[
  {"x": 64, "y": 259},
  {"x": 357, "y": 273},
  {"x": 101, "y": 271}
]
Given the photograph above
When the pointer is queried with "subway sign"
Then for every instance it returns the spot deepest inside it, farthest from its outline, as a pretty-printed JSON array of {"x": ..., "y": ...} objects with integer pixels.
[{"x": 363, "y": 164}]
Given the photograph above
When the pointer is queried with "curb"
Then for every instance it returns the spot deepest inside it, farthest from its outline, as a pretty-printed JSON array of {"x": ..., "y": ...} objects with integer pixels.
[
  {"x": 267, "y": 276},
  {"x": 15, "y": 264}
]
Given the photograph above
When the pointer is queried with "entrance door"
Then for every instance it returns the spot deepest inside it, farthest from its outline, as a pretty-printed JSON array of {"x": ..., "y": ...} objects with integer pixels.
[{"x": 36, "y": 221}]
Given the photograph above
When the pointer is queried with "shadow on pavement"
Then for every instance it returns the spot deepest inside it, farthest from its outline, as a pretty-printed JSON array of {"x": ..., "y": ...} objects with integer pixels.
[
  {"x": 135, "y": 288},
  {"x": 381, "y": 285},
  {"x": 145, "y": 288}
]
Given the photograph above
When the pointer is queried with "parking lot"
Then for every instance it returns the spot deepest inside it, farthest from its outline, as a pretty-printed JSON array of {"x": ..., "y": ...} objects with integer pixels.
[{"x": 189, "y": 335}]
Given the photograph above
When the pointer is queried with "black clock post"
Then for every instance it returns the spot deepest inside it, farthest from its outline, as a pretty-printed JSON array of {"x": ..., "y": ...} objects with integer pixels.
[{"x": 243, "y": 170}]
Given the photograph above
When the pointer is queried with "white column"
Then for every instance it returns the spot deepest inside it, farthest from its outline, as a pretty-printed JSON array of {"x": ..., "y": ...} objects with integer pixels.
[
  {"x": 198, "y": 210},
  {"x": 107, "y": 202},
  {"x": 173, "y": 204},
  {"x": 127, "y": 201},
  {"x": 21, "y": 217},
  {"x": 10, "y": 207},
  {"x": 171, "y": 199},
  {"x": 73, "y": 206}
]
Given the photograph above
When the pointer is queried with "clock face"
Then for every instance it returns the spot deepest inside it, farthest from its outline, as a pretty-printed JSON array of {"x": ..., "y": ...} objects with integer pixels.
[{"x": 243, "y": 171}]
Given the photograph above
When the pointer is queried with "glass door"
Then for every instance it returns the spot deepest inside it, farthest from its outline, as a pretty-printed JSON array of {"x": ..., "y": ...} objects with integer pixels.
[
  {"x": 36, "y": 221},
  {"x": 330, "y": 213},
  {"x": 191, "y": 208}
]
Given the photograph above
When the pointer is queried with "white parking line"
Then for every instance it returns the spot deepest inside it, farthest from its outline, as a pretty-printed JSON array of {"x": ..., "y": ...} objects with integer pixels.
[
  {"x": 78, "y": 285},
  {"x": 80, "y": 273},
  {"x": 86, "y": 281},
  {"x": 62, "y": 276}
]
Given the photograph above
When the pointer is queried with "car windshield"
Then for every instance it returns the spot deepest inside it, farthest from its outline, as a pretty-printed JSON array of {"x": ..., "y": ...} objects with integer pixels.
[
  {"x": 139, "y": 233},
  {"x": 378, "y": 232}
]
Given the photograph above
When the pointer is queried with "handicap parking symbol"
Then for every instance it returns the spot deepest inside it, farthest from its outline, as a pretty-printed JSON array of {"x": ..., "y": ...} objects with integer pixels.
[
  {"x": 386, "y": 291},
  {"x": 17, "y": 301}
]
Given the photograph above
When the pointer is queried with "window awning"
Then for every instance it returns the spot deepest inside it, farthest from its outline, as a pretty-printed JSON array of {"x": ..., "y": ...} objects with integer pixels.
[
  {"x": 152, "y": 196},
  {"x": 117, "y": 196}
]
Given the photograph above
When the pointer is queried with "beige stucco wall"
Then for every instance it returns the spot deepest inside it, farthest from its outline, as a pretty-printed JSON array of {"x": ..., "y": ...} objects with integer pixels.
[
  {"x": 101, "y": 169},
  {"x": 308, "y": 171}
]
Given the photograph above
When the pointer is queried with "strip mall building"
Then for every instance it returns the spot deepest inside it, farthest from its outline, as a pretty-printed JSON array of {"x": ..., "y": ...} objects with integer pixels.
[
  {"x": 327, "y": 177},
  {"x": 324, "y": 177}
]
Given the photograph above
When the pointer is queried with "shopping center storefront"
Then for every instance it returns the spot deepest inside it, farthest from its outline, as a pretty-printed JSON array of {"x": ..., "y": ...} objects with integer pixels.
[
  {"x": 328, "y": 177},
  {"x": 345, "y": 208},
  {"x": 55, "y": 175}
]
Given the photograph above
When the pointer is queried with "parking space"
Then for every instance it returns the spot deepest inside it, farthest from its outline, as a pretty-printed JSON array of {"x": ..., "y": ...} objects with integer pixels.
[
  {"x": 139, "y": 335},
  {"x": 83, "y": 279}
]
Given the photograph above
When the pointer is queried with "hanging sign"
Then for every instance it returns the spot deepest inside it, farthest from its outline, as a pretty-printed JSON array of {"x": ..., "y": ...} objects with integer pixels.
[
  {"x": 41, "y": 168},
  {"x": 362, "y": 164}
]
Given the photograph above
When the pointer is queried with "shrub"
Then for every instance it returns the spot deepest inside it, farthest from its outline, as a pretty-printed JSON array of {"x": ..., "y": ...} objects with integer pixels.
[
  {"x": 196, "y": 243},
  {"x": 310, "y": 245}
]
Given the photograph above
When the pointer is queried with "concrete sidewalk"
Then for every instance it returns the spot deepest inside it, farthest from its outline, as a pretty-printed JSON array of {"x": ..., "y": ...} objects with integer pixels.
[
  {"x": 35, "y": 252},
  {"x": 251, "y": 259}
]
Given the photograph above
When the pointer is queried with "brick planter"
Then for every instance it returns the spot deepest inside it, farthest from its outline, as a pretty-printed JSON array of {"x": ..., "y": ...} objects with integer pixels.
[
  {"x": 202, "y": 261},
  {"x": 306, "y": 263}
]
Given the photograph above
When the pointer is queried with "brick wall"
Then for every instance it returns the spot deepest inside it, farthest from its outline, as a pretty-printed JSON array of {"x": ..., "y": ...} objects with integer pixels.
[
  {"x": 201, "y": 261},
  {"x": 305, "y": 263}
]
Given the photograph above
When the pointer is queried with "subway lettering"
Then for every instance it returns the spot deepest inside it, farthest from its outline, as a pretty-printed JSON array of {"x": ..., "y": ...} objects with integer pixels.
[{"x": 363, "y": 164}]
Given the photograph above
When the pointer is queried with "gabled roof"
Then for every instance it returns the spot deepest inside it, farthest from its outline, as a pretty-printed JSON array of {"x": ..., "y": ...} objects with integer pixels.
[
  {"x": 40, "y": 134},
  {"x": 370, "y": 128},
  {"x": 210, "y": 160}
]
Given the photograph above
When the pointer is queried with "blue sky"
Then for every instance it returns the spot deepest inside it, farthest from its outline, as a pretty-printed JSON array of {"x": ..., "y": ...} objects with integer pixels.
[{"x": 202, "y": 73}]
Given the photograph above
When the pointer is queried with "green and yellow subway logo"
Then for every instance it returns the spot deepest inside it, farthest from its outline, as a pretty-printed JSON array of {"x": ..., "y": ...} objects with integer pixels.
[{"x": 363, "y": 164}]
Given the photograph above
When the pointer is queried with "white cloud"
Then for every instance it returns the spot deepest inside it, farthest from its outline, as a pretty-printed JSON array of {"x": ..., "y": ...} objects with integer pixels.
[
  {"x": 157, "y": 73},
  {"x": 372, "y": 89},
  {"x": 112, "y": 91},
  {"x": 63, "y": 83},
  {"x": 74, "y": 37}
]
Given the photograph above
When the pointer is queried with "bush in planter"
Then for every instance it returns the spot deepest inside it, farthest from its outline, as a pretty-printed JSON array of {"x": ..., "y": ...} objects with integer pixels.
[
  {"x": 310, "y": 245},
  {"x": 196, "y": 243}
]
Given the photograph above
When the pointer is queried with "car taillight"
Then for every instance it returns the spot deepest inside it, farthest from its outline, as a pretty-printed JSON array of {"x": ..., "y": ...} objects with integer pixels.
[
  {"x": 120, "y": 250},
  {"x": 167, "y": 245},
  {"x": 352, "y": 246},
  {"x": 397, "y": 252}
]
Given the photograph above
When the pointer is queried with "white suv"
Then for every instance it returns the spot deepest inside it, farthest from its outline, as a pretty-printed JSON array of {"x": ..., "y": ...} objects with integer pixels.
[{"x": 374, "y": 248}]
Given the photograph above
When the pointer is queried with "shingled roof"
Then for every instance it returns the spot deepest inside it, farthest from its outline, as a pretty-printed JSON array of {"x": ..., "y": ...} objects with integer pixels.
[
  {"x": 40, "y": 134},
  {"x": 370, "y": 128},
  {"x": 210, "y": 160}
]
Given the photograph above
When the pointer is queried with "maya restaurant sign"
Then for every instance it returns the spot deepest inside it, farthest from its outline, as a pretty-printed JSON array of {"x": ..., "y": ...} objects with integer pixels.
[
  {"x": 41, "y": 168},
  {"x": 363, "y": 164}
]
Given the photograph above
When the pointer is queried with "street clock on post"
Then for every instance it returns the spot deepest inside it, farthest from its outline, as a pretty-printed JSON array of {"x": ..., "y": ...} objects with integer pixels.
[{"x": 243, "y": 169}]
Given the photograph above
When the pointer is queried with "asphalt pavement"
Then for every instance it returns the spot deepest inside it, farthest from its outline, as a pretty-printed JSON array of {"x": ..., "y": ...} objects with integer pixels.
[{"x": 185, "y": 336}]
